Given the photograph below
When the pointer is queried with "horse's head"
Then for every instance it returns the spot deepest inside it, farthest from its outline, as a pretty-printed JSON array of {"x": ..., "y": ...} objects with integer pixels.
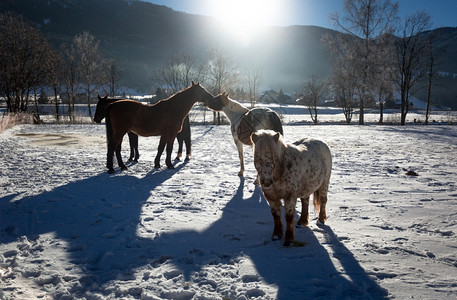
[
  {"x": 100, "y": 111},
  {"x": 268, "y": 151},
  {"x": 201, "y": 94},
  {"x": 218, "y": 102}
]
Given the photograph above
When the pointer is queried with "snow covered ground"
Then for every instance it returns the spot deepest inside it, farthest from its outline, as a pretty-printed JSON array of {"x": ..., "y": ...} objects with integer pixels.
[{"x": 69, "y": 230}]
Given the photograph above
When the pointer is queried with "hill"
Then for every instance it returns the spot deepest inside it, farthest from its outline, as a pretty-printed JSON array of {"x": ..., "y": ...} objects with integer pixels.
[{"x": 141, "y": 36}]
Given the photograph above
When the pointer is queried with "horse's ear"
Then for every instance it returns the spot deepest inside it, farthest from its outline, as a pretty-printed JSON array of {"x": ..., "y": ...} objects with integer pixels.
[
  {"x": 193, "y": 83},
  {"x": 254, "y": 137},
  {"x": 276, "y": 136}
]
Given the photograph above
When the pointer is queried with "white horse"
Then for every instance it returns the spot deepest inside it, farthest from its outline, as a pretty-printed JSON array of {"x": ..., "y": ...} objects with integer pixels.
[
  {"x": 291, "y": 171},
  {"x": 244, "y": 121}
]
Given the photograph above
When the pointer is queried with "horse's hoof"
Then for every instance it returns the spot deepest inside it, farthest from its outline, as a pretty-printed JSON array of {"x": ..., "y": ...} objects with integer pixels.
[
  {"x": 275, "y": 237},
  {"x": 286, "y": 244},
  {"x": 177, "y": 159},
  {"x": 187, "y": 159},
  {"x": 170, "y": 167},
  {"x": 110, "y": 171},
  {"x": 156, "y": 166},
  {"x": 301, "y": 223},
  {"x": 124, "y": 168}
]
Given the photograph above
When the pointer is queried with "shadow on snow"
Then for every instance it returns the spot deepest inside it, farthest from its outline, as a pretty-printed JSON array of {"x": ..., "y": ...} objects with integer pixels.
[{"x": 98, "y": 219}]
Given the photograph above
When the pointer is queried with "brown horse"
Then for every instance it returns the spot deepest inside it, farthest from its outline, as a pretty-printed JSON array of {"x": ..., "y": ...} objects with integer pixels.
[
  {"x": 182, "y": 137},
  {"x": 164, "y": 118},
  {"x": 100, "y": 114}
]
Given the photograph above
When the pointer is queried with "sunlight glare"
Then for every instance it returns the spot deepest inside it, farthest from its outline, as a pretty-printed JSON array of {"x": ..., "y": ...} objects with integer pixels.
[{"x": 244, "y": 18}]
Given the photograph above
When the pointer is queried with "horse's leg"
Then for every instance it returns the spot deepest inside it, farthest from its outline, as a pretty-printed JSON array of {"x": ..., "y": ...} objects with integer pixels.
[
  {"x": 110, "y": 156},
  {"x": 133, "y": 141},
  {"x": 169, "y": 151},
  {"x": 275, "y": 207},
  {"x": 159, "y": 153},
  {"x": 135, "y": 146},
  {"x": 188, "y": 142},
  {"x": 239, "y": 146},
  {"x": 132, "y": 150},
  {"x": 304, "y": 218},
  {"x": 113, "y": 143},
  {"x": 119, "y": 157},
  {"x": 289, "y": 208},
  {"x": 180, "y": 139}
]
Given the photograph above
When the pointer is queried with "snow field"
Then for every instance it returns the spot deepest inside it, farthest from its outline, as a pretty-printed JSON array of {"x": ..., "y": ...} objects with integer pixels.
[{"x": 69, "y": 230}]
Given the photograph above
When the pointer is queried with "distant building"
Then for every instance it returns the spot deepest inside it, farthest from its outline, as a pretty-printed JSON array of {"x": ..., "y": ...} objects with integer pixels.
[{"x": 271, "y": 96}]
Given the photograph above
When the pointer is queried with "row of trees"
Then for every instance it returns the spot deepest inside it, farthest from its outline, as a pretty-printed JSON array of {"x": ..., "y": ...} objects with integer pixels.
[
  {"x": 28, "y": 64},
  {"x": 218, "y": 74},
  {"x": 376, "y": 56}
]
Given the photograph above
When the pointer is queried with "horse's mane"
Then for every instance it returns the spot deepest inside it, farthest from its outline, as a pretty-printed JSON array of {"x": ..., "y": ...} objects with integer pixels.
[
  {"x": 266, "y": 141},
  {"x": 177, "y": 94},
  {"x": 236, "y": 104}
]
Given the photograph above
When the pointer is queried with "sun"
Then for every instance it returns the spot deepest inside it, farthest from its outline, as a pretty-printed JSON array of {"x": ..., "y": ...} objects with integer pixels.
[{"x": 244, "y": 18}]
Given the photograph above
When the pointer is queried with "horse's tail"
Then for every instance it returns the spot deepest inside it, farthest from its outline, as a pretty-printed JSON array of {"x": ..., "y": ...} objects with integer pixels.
[
  {"x": 316, "y": 202},
  {"x": 109, "y": 127}
]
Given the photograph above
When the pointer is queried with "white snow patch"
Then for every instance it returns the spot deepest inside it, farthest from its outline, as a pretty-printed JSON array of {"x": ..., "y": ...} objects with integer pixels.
[{"x": 69, "y": 230}]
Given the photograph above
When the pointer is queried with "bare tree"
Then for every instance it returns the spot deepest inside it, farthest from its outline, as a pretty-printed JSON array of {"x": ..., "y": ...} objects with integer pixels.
[
  {"x": 345, "y": 73},
  {"x": 177, "y": 73},
  {"x": 410, "y": 58},
  {"x": 23, "y": 61},
  {"x": 55, "y": 79},
  {"x": 253, "y": 81},
  {"x": 366, "y": 21},
  {"x": 221, "y": 74},
  {"x": 221, "y": 71},
  {"x": 343, "y": 86},
  {"x": 89, "y": 63},
  {"x": 433, "y": 59},
  {"x": 112, "y": 76},
  {"x": 314, "y": 90},
  {"x": 384, "y": 68},
  {"x": 70, "y": 77}
]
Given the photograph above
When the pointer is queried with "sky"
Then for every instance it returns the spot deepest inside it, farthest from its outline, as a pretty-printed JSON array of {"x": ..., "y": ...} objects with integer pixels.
[{"x": 302, "y": 12}]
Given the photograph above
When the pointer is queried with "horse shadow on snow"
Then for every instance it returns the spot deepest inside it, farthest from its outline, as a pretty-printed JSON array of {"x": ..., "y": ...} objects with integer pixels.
[{"x": 98, "y": 219}]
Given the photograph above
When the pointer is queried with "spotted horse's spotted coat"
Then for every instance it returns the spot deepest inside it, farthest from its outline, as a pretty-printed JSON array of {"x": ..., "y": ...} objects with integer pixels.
[{"x": 291, "y": 171}]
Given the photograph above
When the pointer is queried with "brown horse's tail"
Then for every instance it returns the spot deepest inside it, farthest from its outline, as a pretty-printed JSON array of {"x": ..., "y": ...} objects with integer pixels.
[{"x": 109, "y": 127}]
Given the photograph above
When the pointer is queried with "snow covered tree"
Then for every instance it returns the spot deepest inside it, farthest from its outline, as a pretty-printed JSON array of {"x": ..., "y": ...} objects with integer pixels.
[
  {"x": 252, "y": 81},
  {"x": 366, "y": 21},
  {"x": 24, "y": 54},
  {"x": 88, "y": 63},
  {"x": 410, "y": 58},
  {"x": 314, "y": 90}
]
